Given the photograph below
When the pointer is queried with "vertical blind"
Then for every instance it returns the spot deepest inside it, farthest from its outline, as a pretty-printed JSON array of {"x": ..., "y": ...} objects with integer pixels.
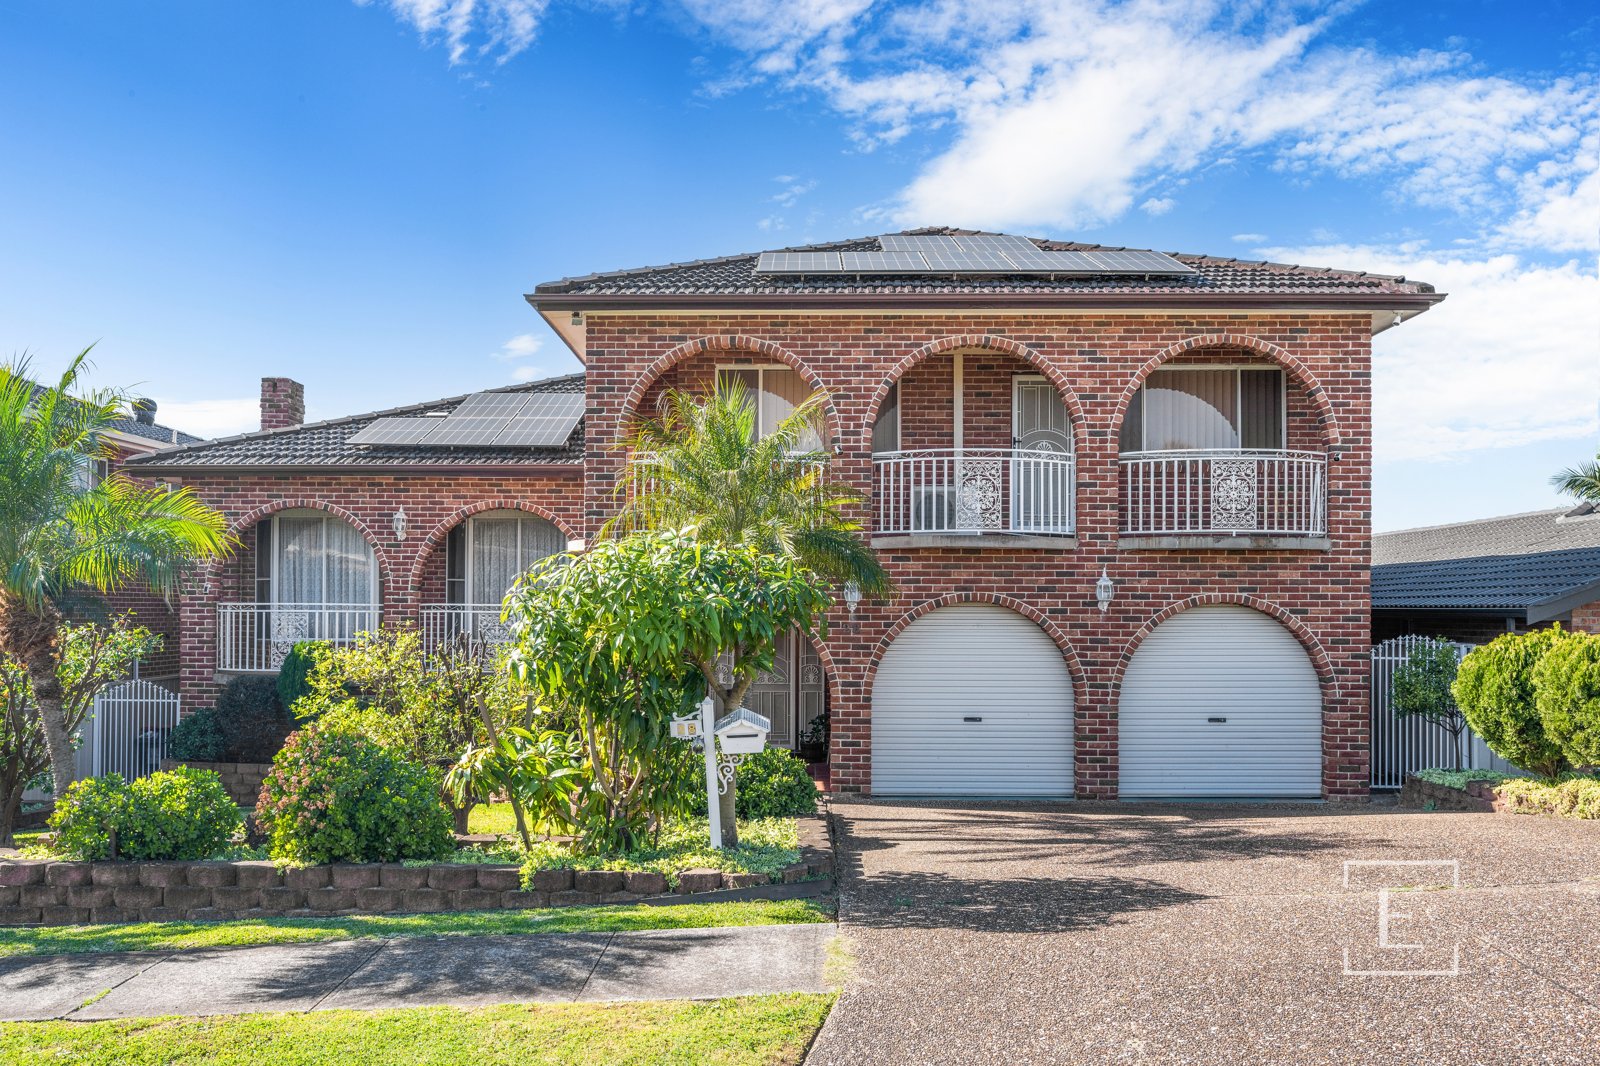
[
  {"x": 777, "y": 391},
  {"x": 1197, "y": 409}
]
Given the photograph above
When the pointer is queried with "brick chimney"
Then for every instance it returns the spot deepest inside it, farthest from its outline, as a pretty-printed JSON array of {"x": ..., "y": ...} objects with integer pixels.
[{"x": 283, "y": 403}]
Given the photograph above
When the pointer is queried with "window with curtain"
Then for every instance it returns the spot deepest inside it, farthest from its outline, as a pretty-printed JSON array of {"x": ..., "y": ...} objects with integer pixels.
[
  {"x": 320, "y": 559},
  {"x": 484, "y": 562},
  {"x": 1206, "y": 409},
  {"x": 886, "y": 430},
  {"x": 776, "y": 391}
]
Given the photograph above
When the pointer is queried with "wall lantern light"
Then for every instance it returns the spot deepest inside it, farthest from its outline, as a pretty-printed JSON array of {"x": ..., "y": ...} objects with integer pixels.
[
  {"x": 852, "y": 597},
  {"x": 1104, "y": 590},
  {"x": 399, "y": 524}
]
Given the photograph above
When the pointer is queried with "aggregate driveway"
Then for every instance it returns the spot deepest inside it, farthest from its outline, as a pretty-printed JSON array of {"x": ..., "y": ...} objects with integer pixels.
[{"x": 1101, "y": 933}]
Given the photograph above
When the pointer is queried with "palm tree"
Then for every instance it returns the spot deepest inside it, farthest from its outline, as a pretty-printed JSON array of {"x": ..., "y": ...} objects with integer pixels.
[
  {"x": 61, "y": 531},
  {"x": 701, "y": 465},
  {"x": 1581, "y": 481}
]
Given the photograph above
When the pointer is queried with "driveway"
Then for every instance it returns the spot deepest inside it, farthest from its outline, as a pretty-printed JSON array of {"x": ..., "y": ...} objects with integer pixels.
[{"x": 1100, "y": 933}]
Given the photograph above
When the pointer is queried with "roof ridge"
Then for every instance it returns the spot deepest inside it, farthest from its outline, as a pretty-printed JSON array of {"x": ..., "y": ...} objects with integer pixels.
[
  {"x": 1473, "y": 522},
  {"x": 260, "y": 434}
]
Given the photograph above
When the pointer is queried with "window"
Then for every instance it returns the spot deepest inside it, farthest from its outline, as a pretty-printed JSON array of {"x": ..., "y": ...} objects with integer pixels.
[
  {"x": 886, "y": 430},
  {"x": 314, "y": 558},
  {"x": 777, "y": 392},
  {"x": 485, "y": 555},
  {"x": 1201, "y": 408}
]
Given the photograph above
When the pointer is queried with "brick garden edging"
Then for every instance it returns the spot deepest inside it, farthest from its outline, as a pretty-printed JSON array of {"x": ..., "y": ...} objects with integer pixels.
[
  {"x": 1479, "y": 796},
  {"x": 241, "y": 779},
  {"x": 44, "y": 892}
]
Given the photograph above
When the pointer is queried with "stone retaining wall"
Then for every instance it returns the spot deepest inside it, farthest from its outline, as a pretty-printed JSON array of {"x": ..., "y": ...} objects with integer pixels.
[
  {"x": 241, "y": 779},
  {"x": 41, "y": 892},
  {"x": 1479, "y": 796}
]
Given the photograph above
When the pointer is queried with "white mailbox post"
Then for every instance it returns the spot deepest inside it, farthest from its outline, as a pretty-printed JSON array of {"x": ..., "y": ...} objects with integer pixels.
[{"x": 741, "y": 732}]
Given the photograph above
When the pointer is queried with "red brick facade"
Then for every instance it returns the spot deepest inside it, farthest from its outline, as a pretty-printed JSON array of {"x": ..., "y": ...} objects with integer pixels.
[{"x": 1096, "y": 364}]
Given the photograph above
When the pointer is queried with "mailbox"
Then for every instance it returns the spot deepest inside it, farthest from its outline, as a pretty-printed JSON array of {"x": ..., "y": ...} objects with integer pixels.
[{"x": 742, "y": 732}]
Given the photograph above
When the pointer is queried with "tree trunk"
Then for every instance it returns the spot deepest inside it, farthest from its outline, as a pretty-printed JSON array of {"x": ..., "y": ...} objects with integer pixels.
[
  {"x": 10, "y": 813},
  {"x": 30, "y": 638}
]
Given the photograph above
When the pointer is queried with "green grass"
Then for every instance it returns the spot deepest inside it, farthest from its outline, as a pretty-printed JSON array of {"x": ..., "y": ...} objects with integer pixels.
[
  {"x": 755, "y": 1029},
  {"x": 1458, "y": 778},
  {"x": 493, "y": 818},
  {"x": 172, "y": 936},
  {"x": 766, "y": 846}
]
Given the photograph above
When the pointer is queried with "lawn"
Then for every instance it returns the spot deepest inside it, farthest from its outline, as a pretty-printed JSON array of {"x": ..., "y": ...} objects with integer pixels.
[
  {"x": 170, "y": 936},
  {"x": 493, "y": 818},
  {"x": 753, "y": 1029}
]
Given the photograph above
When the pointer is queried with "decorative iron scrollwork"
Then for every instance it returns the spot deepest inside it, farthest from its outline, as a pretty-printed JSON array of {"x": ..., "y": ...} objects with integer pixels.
[
  {"x": 979, "y": 493},
  {"x": 1234, "y": 491}
]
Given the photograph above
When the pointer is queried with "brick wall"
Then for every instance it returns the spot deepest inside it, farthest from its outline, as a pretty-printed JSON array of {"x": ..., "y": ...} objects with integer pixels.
[
  {"x": 1096, "y": 362},
  {"x": 1586, "y": 618},
  {"x": 283, "y": 403}
]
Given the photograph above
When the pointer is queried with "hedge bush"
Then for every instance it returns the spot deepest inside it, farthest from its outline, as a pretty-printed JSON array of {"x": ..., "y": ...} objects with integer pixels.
[
  {"x": 1566, "y": 685},
  {"x": 1577, "y": 797},
  {"x": 772, "y": 783},
  {"x": 181, "y": 814},
  {"x": 339, "y": 797},
  {"x": 198, "y": 737},
  {"x": 253, "y": 718},
  {"x": 1495, "y": 690},
  {"x": 293, "y": 676}
]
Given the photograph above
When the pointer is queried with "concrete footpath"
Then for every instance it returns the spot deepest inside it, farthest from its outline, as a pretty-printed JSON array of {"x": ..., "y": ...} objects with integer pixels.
[{"x": 464, "y": 971}]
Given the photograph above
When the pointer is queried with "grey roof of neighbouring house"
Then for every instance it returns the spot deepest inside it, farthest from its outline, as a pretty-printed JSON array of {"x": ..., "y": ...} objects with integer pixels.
[
  {"x": 323, "y": 444},
  {"x": 1216, "y": 277},
  {"x": 1538, "y": 565},
  {"x": 154, "y": 431}
]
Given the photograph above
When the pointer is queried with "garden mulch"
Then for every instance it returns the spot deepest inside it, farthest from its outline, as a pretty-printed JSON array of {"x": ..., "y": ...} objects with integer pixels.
[{"x": 418, "y": 972}]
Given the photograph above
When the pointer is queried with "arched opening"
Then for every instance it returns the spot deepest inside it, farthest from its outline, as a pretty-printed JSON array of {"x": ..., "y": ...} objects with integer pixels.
[
  {"x": 794, "y": 693},
  {"x": 466, "y": 577}
]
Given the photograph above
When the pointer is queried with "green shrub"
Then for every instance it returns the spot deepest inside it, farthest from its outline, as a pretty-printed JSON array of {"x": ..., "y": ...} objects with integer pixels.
[
  {"x": 772, "y": 784},
  {"x": 253, "y": 718},
  {"x": 339, "y": 797},
  {"x": 1494, "y": 689},
  {"x": 1575, "y": 797},
  {"x": 182, "y": 814},
  {"x": 1459, "y": 778},
  {"x": 1566, "y": 687},
  {"x": 293, "y": 675},
  {"x": 198, "y": 737}
]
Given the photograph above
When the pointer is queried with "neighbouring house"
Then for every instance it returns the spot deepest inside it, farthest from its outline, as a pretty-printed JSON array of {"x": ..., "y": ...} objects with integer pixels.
[
  {"x": 1471, "y": 581},
  {"x": 1125, "y": 497}
]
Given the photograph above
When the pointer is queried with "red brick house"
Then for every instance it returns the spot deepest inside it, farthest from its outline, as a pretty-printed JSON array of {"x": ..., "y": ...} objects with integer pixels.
[{"x": 1125, "y": 497}]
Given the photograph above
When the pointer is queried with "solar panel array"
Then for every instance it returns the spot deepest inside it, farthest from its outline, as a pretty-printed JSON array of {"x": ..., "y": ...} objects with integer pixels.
[
  {"x": 485, "y": 420},
  {"x": 979, "y": 254}
]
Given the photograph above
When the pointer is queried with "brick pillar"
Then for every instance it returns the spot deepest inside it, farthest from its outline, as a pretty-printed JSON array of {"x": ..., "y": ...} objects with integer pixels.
[
  {"x": 1586, "y": 618},
  {"x": 283, "y": 403}
]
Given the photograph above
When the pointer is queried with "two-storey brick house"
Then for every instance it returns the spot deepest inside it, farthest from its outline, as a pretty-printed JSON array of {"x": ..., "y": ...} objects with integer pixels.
[{"x": 1125, "y": 499}]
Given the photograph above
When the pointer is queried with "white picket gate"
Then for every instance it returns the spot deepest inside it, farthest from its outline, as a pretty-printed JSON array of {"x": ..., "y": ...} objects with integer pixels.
[
  {"x": 1405, "y": 745},
  {"x": 127, "y": 731}
]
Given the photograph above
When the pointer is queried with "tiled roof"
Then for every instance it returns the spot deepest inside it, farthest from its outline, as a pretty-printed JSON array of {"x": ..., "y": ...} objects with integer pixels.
[
  {"x": 322, "y": 444},
  {"x": 164, "y": 434},
  {"x": 1533, "y": 564},
  {"x": 735, "y": 275}
]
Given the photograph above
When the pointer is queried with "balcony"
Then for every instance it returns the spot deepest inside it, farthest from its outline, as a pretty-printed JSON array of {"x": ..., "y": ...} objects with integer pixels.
[
  {"x": 469, "y": 627},
  {"x": 966, "y": 491},
  {"x": 255, "y": 638},
  {"x": 1226, "y": 494}
]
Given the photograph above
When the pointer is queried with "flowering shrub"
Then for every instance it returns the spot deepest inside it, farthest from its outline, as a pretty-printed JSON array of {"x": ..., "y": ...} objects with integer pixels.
[
  {"x": 179, "y": 814},
  {"x": 339, "y": 797}
]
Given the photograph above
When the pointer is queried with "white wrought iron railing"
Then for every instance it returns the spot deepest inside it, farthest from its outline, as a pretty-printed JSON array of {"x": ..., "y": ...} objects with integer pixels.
[
  {"x": 1401, "y": 746},
  {"x": 974, "y": 490},
  {"x": 470, "y": 626},
  {"x": 126, "y": 732},
  {"x": 1234, "y": 491},
  {"x": 256, "y": 637}
]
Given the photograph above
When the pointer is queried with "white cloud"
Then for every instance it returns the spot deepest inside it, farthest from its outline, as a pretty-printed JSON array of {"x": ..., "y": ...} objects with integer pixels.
[
  {"x": 1156, "y": 208},
  {"x": 527, "y": 373},
  {"x": 1508, "y": 358},
  {"x": 472, "y": 28},
  {"x": 522, "y": 346},
  {"x": 211, "y": 418},
  {"x": 1248, "y": 238}
]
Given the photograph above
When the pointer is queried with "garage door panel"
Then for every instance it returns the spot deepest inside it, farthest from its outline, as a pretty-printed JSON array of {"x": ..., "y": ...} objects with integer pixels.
[
  {"x": 972, "y": 661},
  {"x": 1227, "y": 663}
]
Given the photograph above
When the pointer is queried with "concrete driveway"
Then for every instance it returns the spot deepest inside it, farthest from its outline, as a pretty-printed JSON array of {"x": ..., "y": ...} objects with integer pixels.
[{"x": 1099, "y": 933}]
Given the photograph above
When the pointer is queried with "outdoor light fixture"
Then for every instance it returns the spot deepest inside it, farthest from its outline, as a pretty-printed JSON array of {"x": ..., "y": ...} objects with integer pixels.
[
  {"x": 852, "y": 597},
  {"x": 577, "y": 318},
  {"x": 399, "y": 524},
  {"x": 1104, "y": 590}
]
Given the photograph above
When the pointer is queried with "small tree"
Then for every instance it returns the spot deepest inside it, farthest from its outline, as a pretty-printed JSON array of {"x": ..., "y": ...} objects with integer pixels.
[
  {"x": 635, "y": 630},
  {"x": 1494, "y": 689},
  {"x": 1422, "y": 690},
  {"x": 1566, "y": 686}
]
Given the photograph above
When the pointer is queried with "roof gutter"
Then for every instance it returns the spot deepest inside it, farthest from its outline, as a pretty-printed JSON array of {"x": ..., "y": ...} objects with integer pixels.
[{"x": 891, "y": 302}]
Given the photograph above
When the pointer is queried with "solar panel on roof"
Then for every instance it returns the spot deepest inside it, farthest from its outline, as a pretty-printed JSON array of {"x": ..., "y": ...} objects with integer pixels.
[
  {"x": 547, "y": 420},
  {"x": 986, "y": 253},
  {"x": 392, "y": 430},
  {"x": 875, "y": 262},
  {"x": 1137, "y": 261},
  {"x": 798, "y": 263},
  {"x": 490, "y": 404},
  {"x": 906, "y": 242}
]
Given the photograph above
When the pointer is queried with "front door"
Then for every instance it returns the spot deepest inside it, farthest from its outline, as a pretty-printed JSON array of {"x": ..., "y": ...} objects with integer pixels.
[{"x": 1041, "y": 466}]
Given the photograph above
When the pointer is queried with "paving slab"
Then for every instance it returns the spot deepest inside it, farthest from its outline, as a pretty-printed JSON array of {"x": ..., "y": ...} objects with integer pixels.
[
  {"x": 37, "y": 989},
  {"x": 287, "y": 977},
  {"x": 707, "y": 963},
  {"x": 472, "y": 971}
]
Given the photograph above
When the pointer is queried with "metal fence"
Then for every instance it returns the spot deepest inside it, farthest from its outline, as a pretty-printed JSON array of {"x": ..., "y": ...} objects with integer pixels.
[
  {"x": 974, "y": 490},
  {"x": 1232, "y": 491},
  {"x": 469, "y": 627},
  {"x": 256, "y": 637},
  {"x": 1404, "y": 745},
  {"x": 126, "y": 733}
]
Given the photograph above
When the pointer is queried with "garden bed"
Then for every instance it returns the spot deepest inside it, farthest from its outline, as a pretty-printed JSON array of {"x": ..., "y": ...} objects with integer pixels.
[
  {"x": 1451, "y": 791},
  {"x": 241, "y": 779},
  {"x": 45, "y": 892}
]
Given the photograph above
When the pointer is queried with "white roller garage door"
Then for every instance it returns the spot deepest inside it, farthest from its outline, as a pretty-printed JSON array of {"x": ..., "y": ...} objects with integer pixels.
[
  {"x": 1220, "y": 701},
  {"x": 972, "y": 700}
]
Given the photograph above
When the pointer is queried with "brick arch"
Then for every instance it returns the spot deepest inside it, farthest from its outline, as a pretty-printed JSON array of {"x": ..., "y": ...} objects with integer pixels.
[
  {"x": 1080, "y": 694},
  {"x": 988, "y": 342},
  {"x": 211, "y": 571},
  {"x": 1320, "y": 661},
  {"x": 436, "y": 536},
  {"x": 1296, "y": 369},
  {"x": 730, "y": 342}
]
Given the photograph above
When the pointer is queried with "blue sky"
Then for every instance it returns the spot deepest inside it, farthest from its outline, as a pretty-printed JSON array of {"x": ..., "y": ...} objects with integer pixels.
[{"x": 357, "y": 194}]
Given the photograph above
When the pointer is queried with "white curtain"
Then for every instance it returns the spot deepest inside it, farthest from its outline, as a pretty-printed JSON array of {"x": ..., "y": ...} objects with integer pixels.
[
  {"x": 299, "y": 560},
  {"x": 323, "y": 560},
  {"x": 503, "y": 548},
  {"x": 350, "y": 563}
]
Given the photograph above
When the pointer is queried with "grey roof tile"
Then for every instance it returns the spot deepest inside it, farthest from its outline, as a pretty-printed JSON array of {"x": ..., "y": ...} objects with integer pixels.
[{"x": 1517, "y": 534}]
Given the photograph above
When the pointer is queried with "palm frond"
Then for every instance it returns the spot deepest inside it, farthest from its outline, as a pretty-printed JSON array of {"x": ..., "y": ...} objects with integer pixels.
[{"x": 1581, "y": 482}]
